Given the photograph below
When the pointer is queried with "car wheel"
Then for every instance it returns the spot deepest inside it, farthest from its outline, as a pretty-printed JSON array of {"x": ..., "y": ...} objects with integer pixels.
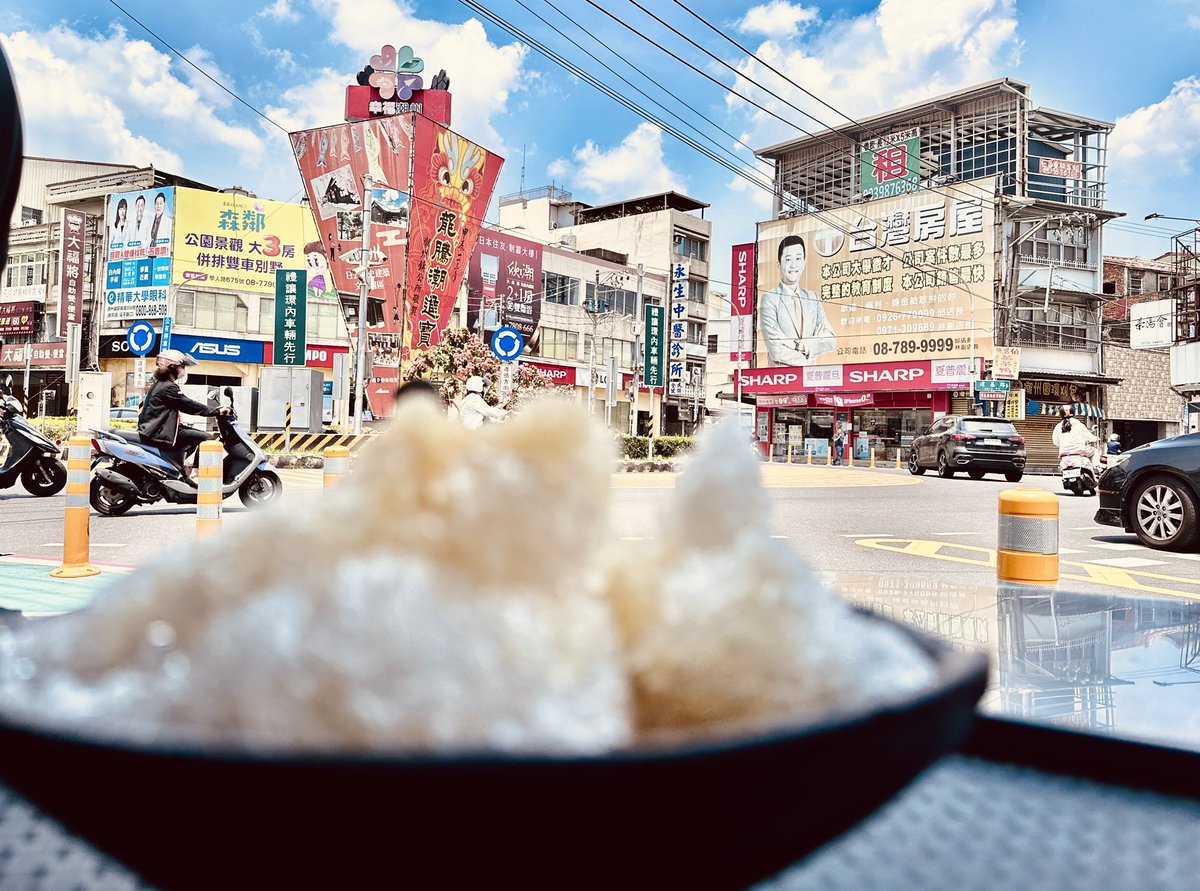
[
  {"x": 975, "y": 474},
  {"x": 944, "y": 469},
  {"x": 913, "y": 467},
  {"x": 1013, "y": 476},
  {"x": 1164, "y": 515}
]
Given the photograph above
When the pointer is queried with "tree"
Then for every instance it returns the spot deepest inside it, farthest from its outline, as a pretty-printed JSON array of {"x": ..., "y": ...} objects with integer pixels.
[{"x": 462, "y": 354}]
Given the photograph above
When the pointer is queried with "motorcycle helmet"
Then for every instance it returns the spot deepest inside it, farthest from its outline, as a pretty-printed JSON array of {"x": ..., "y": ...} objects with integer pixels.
[
  {"x": 1114, "y": 438},
  {"x": 170, "y": 358},
  {"x": 475, "y": 384}
]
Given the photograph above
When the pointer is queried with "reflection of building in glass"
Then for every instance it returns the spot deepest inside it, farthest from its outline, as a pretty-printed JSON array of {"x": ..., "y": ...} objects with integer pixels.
[{"x": 1055, "y": 652}]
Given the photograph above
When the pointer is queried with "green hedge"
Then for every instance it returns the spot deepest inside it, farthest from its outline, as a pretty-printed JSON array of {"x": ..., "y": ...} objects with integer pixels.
[
  {"x": 635, "y": 447},
  {"x": 60, "y": 429}
]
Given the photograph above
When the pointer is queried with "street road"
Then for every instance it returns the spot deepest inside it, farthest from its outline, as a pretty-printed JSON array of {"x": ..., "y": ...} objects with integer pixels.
[{"x": 879, "y": 521}]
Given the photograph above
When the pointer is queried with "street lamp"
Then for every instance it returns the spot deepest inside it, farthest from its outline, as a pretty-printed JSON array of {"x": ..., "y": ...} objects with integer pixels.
[{"x": 1159, "y": 216}]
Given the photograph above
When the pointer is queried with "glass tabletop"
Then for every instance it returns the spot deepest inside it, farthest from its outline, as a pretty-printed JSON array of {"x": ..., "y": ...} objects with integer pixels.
[{"x": 1127, "y": 667}]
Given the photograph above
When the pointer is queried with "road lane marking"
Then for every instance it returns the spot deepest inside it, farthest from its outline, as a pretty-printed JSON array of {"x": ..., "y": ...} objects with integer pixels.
[
  {"x": 956, "y": 533},
  {"x": 1183, "y": 556},
  {"x": 1070, "y": 551},
  {"x": 1117, "y": 546},
  {"x": 1131, "y": 579},
  {"x": 1127, "y": 562},
  {"x": 864, "y": 535},
  {"x": 94, "y": 544}
]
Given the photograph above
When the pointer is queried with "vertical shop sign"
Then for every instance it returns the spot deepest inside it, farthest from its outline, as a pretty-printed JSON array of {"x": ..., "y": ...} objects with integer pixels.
[
  {"x": 677, "y": 339},
  {"x": 741, "y": 303},
  {"x": 655, "y": 325},
  {"x": 70, "y": 277},
  {"x": 291, "y": 341}
]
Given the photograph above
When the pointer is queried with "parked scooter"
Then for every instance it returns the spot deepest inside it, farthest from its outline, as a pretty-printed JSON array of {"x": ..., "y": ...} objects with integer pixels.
[
  {"x": 1079, "y": 471},
  {"x": 32, "y": 458},
  {"x": 126, "y": 471}
]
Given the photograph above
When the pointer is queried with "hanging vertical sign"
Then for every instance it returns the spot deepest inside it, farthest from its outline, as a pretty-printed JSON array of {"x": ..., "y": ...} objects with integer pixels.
[
  {"x": 741, "y": 302},
  {"x": 291, "y": 341},
  {"x": 653, "y": 360},
  {"x": 70, "y": 269},
  {"x": 677, "y": 339}
]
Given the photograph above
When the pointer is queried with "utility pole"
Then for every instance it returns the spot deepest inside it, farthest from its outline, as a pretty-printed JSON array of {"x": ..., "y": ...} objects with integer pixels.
[{"x": 364, "y": 289}]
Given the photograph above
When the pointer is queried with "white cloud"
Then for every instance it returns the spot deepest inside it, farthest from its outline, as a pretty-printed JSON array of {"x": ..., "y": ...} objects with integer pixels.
[
  {"x": 1159, "y": 141},
  {"x": 902, "y": 52},
  {"x": 282, "y": 57},
  {"x": 281, "y": 11},
  {"x": 635, "y": 167},
  {"x": 110, "y": 97},
  {"x": 318, "y": 102},
  {"x": 1194, "y": 22},
  {"x": 777, "y": 19},
  {"x": 212, "y": 94}
]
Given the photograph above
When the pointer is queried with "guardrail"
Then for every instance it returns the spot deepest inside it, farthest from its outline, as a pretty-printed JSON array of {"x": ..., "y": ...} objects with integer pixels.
[{"x": 312, "y": 442}]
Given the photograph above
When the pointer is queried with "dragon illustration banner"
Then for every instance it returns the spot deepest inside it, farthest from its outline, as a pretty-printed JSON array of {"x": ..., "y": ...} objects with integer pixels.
[
  {"x": 334, "y": 162},
  {"x": 452, "y": 183}
]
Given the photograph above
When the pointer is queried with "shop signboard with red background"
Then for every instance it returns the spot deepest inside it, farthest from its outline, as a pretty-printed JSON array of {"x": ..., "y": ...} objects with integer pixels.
[
  {"x": 71, "y": 270},
  {"x": 917, "y": 374},
  {"x": 561, "y": 375},
  {"x": 18, "y": 318},
  {"x": 315, "y": 356},
  {"x": 453, "y": 180},
  {"x": 741, "y": 303},
  {"x": 44, "y": 355},
  {"x": 504, "y": 282},
  {"x": 381, "y": 391}
]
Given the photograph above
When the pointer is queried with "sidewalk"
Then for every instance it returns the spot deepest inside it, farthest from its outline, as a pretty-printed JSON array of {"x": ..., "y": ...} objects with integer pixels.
[
  {"x": 787, "y": 476},
  {"x": 26, "y": 586}
]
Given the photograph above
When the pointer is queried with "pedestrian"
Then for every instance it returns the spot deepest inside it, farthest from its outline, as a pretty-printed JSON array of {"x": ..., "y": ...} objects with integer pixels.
[
  {"x": 839, "y": 442},
  {"x": 1114, "y": 444}
]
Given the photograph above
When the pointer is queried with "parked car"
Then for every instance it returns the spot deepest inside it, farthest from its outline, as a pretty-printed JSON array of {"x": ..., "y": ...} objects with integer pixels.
[
  {"x": 1153, "y": 491},
  {"x": 977, "y": 445},
  {"x": 123, "y": 413}
]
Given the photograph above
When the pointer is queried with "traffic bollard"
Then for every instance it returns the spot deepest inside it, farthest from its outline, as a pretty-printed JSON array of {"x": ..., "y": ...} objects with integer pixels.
[
  {"x": 1027, "y": 537},
  {"x": 337, "y": 465},
  {"x": 849, "y": 455},
  {"x": 76, "y": 562},
  {"x": 208, "y": 488},
  {"x": 829, "y": 457},
  {"x": 790, "y": 453},
  {"x": 872, "y": 459},
  {"x": 898, "y": 452},
  {"x": 808, "y": 450}
]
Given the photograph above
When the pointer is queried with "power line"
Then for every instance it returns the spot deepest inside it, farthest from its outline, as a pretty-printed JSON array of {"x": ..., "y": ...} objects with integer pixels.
[{"x": 168, "y": 45}]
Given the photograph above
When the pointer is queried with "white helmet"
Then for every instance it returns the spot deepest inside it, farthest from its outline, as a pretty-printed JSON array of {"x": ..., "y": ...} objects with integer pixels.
[
  {"x": 1114, "y": 438},
  {"x": 170, "y": 358},
  {"x": 475, "y": 384}
]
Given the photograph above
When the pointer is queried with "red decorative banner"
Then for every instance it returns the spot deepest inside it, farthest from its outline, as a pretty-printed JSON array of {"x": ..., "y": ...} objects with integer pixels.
[
  {"x": 333, "y": 162},
  {"x": 452, "y": 184},
  {"x": 70, "y": 278}
]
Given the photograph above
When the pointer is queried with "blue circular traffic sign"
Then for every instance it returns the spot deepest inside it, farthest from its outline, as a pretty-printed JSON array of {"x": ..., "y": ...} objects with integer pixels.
[
  {"x": 140, "y": 338},
  {"x": 507, "y": 344}
]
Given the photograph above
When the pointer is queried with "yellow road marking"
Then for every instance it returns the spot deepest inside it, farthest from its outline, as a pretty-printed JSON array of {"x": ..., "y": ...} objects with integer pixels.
[{"x": 986, "y": 558}]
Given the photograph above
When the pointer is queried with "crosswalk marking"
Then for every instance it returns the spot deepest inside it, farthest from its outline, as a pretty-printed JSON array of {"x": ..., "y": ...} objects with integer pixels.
[{"x": 1126, "y": 562}]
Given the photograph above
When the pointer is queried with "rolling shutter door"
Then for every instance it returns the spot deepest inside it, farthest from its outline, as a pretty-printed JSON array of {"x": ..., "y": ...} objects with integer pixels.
[
  {"x": 1039, "y": 445},
  {"x": 962, "y": 405}
]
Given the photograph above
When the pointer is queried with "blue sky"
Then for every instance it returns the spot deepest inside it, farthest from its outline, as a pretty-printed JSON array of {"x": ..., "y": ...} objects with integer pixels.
[{"x": 96, "y": 86}]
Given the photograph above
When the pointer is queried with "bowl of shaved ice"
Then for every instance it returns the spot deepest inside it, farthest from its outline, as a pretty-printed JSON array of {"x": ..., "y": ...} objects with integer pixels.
[{"x": 451, "y": 671}]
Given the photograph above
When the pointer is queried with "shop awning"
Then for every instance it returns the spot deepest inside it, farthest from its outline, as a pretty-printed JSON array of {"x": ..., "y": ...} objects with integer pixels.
[
  {"x": 1077, "y": 409},
  {"x": 1035, "y": 374}
]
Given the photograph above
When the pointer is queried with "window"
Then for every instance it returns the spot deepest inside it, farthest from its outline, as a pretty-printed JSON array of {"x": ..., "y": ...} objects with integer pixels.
[
  {"x": 320, "y": 319},
  {"x": 622, "y": 349},
  {"x": 212, "y": 312},
  {"x": 697, "y": 291},
  {"x": 31, "y": 216},
  {"x": 712, "y": 343},
  {"x": 1136, "y": 282},
  {"x": 560, "y": 289},
  {"x": 1058, "y": 246},
  {"x": 1068, "y": 326},
  {"x": 26, "y": 270},
  {"x": 1165, "y": 282},
  {"x": 695, "y": 332},
  {"x": 559, "y": 344},
  {"x": 1110, "y": 287},
  {"x": 614, "y": 300},
  {"x": 691, "y": 248}
]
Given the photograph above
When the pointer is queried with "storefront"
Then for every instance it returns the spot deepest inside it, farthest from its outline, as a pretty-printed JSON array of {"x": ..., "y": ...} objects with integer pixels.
[
  {"x": 576, "y": 377},
  {"x": 876, "y": 406},
  {"x": 47, "y": 362},
  {"x": 1044, "y": 400}
]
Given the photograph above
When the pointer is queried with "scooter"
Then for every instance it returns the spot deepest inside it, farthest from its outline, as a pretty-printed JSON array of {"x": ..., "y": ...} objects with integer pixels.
[
  {"x": 32, "y": 457},
  {"x": 126, "y": 471},
  {"x": 1078, "y": 469}
]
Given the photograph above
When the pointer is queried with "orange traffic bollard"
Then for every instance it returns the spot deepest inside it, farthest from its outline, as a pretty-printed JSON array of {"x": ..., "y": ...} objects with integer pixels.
[
  {"x": 208, "y": 488},
  {"x": 337, "y": 465},
  {"x": 77, "y": 522},
  {"x": 1027, "y": 537}
]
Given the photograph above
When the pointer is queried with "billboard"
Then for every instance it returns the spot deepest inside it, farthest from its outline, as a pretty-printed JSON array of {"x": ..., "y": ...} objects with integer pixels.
[
  {"x": 238, "y": 242},
  {"x": 898, "y": 278},
  {"x": 504, "y": 284},
  {"x": 138, "y": 268},
  {"x": 334, "y": 162},
  {"x": 452, "y": 184},
  {"x": 18, "y": 318},
  {"x": 1152, "y": 324}
]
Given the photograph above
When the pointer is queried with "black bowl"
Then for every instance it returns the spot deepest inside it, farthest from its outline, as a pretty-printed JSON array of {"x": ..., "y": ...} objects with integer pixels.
[{"x": 704, "y": 814}]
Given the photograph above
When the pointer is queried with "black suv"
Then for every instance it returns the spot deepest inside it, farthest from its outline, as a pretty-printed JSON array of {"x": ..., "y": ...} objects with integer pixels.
[{"x": 977, "y": 445}]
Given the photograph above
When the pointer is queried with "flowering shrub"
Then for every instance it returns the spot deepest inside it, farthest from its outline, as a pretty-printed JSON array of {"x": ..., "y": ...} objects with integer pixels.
[{"x": 462, "y": 354}]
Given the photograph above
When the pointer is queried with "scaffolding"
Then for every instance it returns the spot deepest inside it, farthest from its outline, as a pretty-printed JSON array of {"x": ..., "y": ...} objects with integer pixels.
[{"x": 1185, "y": 255}]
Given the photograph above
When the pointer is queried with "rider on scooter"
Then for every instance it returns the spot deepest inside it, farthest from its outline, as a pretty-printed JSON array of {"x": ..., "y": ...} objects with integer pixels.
[{"x": 158, "y": 422}]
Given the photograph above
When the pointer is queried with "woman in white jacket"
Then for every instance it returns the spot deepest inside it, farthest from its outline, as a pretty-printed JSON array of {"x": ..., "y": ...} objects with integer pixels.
[
  {"x": 1073, "y": 436},
  {"x": 474, "y": 410}
]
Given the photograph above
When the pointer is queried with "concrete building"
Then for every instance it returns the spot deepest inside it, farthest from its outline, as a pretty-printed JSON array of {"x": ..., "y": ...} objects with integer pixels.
[
  {"x": 660, "y": 232},
  {"x": 939, "y": 232}
]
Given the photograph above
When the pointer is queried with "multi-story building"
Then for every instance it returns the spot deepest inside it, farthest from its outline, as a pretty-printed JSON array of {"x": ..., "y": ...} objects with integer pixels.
[
  {"x": 660, "y": 233},
  {"x": 1138, "y": 332},
  {"x": 156, "y": 246},
  {"x": 933, "y": 235}
]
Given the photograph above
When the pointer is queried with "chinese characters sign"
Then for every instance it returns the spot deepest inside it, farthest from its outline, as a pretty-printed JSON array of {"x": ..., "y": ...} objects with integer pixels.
[
  {"x": 677, "y": 328},
  {"x": 237, "y": 242},
  {"x": 452, "y": 184},
  {"x": 41, "y": 355},
  {"x": 1152, "y": 324},
  {"x": 17, "y": 318},
  {"x": 290, "y": 331},
  {"x": 1007, "y": 363},
  {"x": 70, "y": 280},
  {"x": 891, "y": 165},
  {"x": 504, "y": 284},
  {"x": 741, "y": 302},
  {"x": 655, "y": 345},
  {"x": 903, "y": 278},
  {"x": 138, "y": 273}
]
